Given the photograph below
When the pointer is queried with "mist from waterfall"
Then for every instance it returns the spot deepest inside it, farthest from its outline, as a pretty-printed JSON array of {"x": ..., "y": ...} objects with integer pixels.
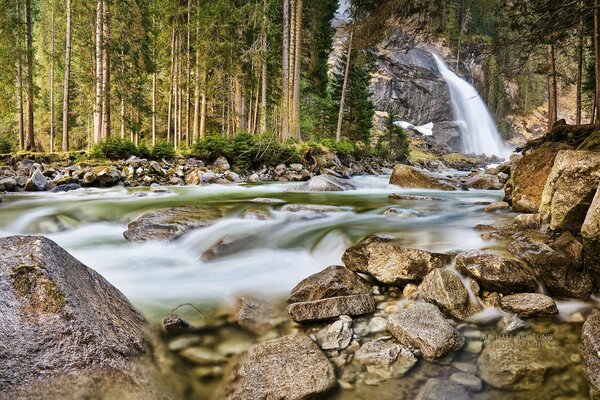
[{"x": 479, "y": 132}]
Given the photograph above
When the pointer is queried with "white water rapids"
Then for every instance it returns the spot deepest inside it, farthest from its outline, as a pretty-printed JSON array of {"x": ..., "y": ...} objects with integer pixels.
[{"x": 479, "y": 132}]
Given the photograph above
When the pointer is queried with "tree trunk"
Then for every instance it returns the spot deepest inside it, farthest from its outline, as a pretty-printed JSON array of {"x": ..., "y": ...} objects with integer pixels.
[
  {"x": 171, "y": 85},
  {"x": 285, "y": 96},
  {"x": 66, "y": 82},
  {"x": 597, "y": 53},
  {"x": 106, "y": 71},
  {"x": 188, "y": 69},
  {"x": 552, "y": 90},
  {"x": 52, "y": 55},
  {"x": 29, "y": 75},
  {"x": 579, "y": 72},
  {"x": 154, "y": 68},
  {"x": 99, "y": 75},
  {"x": 338, "y": 132},
  {"x": 263, "y": 101},
  {"x": 203, "y": 104},
  {"x": 297, "y": 61},
  {"x": 176, "y": 95}
]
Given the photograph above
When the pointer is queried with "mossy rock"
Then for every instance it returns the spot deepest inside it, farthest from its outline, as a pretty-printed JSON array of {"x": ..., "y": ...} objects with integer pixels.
[
  {"x": 39, "y": 293},
  {"x": 591, "y": 143}
]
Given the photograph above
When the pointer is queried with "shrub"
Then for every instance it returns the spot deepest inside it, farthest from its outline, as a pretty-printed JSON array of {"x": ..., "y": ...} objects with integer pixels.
[
  {"x": 6, "y": 145},
  {"x": 143, "y": 151},
  {"x": 163, "y": 149},
  {"x": 114, "y": 149}
]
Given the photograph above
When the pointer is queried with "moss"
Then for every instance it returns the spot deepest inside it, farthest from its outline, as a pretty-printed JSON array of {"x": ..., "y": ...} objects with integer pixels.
[
  {"x": 417, "y": 154},
  {"x": 457, "y": 157},
  {"x": 39, "y": 293},
  {"x": 591, "y": 143}
]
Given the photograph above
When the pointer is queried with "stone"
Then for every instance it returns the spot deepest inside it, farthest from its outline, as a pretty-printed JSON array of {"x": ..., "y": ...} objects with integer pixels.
[
  {"x": 568, "y": 245},
  {"x": 310, "y": 208},
  {"x": 333, "y": 281},
  {"x": 221, "y": 165},
  {"x": 528, "y": 221},
  {"x": 202, "y": 356},
  {"x": 400, "y": 213},
  {"x": 332, "y": 307},
  {"x": 570, "y": 189},
  {"x": 8, "y": 184},
  {"x": 496, "y": 273},
  {"x": 590, "y": 232},
  {"x": 336, "y": 336},
  {"x": 528, "y": 177},
  {"x": 402, "y": 197},
  {"x": 291, "y": 367},
  {"x": 60, "y": 317},
  {"x": 377, "y": 325},
  {"x": 171, "y": 223},
  {"x": 385, "y": 358},
  {"x": 469, "y": 381},
  {"x": 156, "y": 188},
  {"x": 391, "y": 263},
  {"x": 257, "y": 315},
  {"x": 590, "y": 351},
  {"x": 465, "y": 367},
  {"x": 67, "y": 187},
  {"x": 445, "y": 289},
  {"x": 441, "y": 389},
  {"x": 107, "y": 176},
  {"x": 558, "y": 271},
  {"x": 497, "y": 206},
  {"x": 511, "y": 323},
  {"x": 326, "y": 183},
  {"x": 183, "y": 342},
  {"x": 484, "y": 182},
  {"x": 521, "y": 362},
  {"x": 37, "y": 182},
  {"x": 423, "y": 326},
  {"x": 412, "y": 177},
  {"x": 529, "y": 305}
]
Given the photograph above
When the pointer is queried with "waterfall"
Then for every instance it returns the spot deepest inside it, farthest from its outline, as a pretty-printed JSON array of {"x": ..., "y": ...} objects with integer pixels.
[{"x": 479, "y": 132}]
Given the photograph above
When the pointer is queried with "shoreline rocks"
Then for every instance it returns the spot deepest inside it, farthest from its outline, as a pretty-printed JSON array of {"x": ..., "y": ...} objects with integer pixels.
[{"x": 411, "y": 177}]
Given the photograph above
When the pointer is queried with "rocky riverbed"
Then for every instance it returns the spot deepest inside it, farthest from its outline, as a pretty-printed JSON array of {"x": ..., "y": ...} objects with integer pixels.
[{"x": 436, "y": 289}]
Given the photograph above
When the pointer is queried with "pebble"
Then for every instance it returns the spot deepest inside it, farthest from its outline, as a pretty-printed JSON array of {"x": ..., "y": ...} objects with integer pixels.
[
  {"x": 183, "y": 342},
  {"x": 465, "y": 367},
  {"x": 469, "y": 381},
  {"x": 202, "y": 356}
]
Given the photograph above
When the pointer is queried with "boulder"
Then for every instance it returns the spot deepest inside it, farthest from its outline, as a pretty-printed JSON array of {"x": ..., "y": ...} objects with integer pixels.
[
  {"x": 37, "y": 182},
  {"x": 337, "y": 335},
  {"x": 558, "y": 271},
  {"x": 496, "y": 273},
  {"x": 424, "y": 327},
  {"x": 412, "y": 177},
  {"x": 590, "y": 232},
  {"x": 221, "y": 165},
  {"x": 291, "y": 367},
  {"x": 107, "y": 176},
  {"x": 441, "y": 389},
  {"x": 257, "y": 315},
  {"x": 528, "y": 222},
  {"x": 497, "y": 206},
  {"x": 326, "y": 183},
  {"x": 484, "y": 182},
  {"x": 8, "y": 184},
  {"x": 391, "y": 263},
  {"x": 521, "y": 362},
  {"x": 331, "y": 307},
  {"x": 529, "y": 305},
  {"x": 67, "y": 187},
  {"x": 570, "y": 189},
  {"x": 445, "y": 289},
  {"x": 310, "y": 208},
  {"x": 385, "y": 358},
  {"x": 528, "y": 177},
  {"x": 170, "y": 224},
  {"x": 59, "y": 317},
  {"x": 590, "y": 350}
]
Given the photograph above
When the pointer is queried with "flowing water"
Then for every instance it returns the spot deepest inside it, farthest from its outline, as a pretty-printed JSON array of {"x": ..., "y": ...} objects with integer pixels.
[{"x": 479, "y": 132}]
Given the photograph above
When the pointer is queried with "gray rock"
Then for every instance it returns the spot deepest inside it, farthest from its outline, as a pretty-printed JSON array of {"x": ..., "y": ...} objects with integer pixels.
[
  {"x": 528, "y": 221},
  {"x": 511, "y": 323},
  {"x": 444, "y": 288},
  {"x": 529, "y": 305},
  {"x": 336, "y": 336},
  {"x": 469, "y": 381},
  {"x": 326, "y": 183},
  {"x": 424, "y": 327},
  {"x": 590, "y": 232},
  {"x": 412, "y": 177},
  {"x": 310, "y": 208},
  {"x": 385, "y": 358},
  {"x": 60, "y": 317},
  {"x": 484, "y": 182},
  {"x": 291, "y": 367},
  {"x": 8, "y": 184},
  {"x": 156, "y": 188},
  {"x": 391, "y": 263},
  {"x": 256, "y": 315},
  {"x": 496, "y": 273},
  {"x": 441, "y": 389},
  {"x": 173, "y": 323},
  {"x": 590, "y": 350},
  {"x": 377, "y": 324},
  {"x": 202, "y": 356},
  {"x": 333, "y": 281},
  {"x": 221, "y": 165},
  {"x": 37, "y": 182},
  {"x": 332, "y": 307},
  {"x": 67, "y": 187}
]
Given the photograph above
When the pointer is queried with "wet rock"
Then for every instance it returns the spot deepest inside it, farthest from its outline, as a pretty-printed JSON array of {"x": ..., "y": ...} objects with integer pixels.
[
  {"x": 423, "y": 326},
  {"x": 336, "y": 336},
  {"x": 173, "y": 323},
  {"x": 170, "y": 224},
  {"x": 202, "y": 356},
  {"x": 385, "y": 359},
  {"x": 107, "y": 176},
  {"x": 400, "y": 213},
  {"x": 60, "y": 317},
  {"x": 568, "y": 245},
  {"x": 411, "y": 177},
  {"x": 558, "y": 271},
  {"x": 332, "y": 307},
  {"x": 590, "y": 232},
  {"x": 521, "y": 362},
  {"x": 326, "y": 183},
  {"x": 264, "y": 200},
  {"x": 310, "y": 208},
  {"x": 221, "y": 165},
  {"x": 445, "y": 289},
  {"x": 391, "y": 263},
  {"x": 37, "y": 182},
  {"x": 570, "y": 189},
  {"x": 590, "y": 351},
  {"x": 396, "y": 196},
  {"x": 484, "y": 182},
  {"x": 496, "y": 273},
  {"x": 528, "y": 177},
  {"x": 257, "y": 315},
  {"x": 377, "y": 324},
  {"x": 291, "y": 367},
  {"x": 497, "y": 206},
  {"x": 8, "y": 184},
  {"x": 528, "y": 221},
  {"x": 529, "y": 305},
  {"x": 441, "y": 389},
  {"x": 468, "y": 381},
  {"x": 156, "y": 188}
]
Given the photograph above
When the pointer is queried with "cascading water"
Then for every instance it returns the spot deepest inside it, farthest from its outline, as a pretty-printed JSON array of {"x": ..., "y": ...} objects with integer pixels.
[{"x": 479, "y": 132}]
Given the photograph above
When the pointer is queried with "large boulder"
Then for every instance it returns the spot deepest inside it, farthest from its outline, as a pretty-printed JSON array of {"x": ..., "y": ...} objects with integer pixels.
[
  {"x": 590, "y": 232},
  {"x": 557, "y": 270},
  {"x": 496, "y": 273},
  {"x": 570, "y": 189},
  {"x": 412, "y": 177},
  {"x": 484, "y": 182},
  {"x": 326, "y": 183},
  {"x": 37, "y": 182},
  {"x": 58, "y": 317},
  {"x": 330, "y": 293},
  {"x": 424, "y": 327},
  {"x": 391, "y": 263},
  {"x": 170, "y": 224},
  {"x": 528, "y": 177},
  {"x": 590, "y": 350},
  {"x": 445, "y": 289},
  {"x": 291, "y": 367}
]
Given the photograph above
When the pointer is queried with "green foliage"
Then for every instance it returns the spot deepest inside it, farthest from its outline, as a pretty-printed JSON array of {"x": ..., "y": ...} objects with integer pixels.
[
  {"x": 343, "y": 147},
  {"x": 163, "y": 150},
  {"x": 394, "y": 145},
  {"x": 114, "y": 149},
  {"x": 6, "y": 145}
]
